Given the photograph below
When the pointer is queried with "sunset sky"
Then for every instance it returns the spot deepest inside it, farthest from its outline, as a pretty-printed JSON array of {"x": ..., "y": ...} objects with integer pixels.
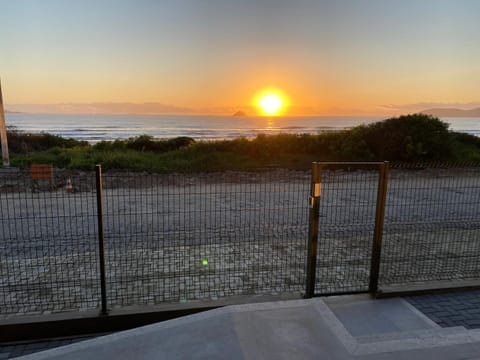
[{"x": 338, "y": 57}]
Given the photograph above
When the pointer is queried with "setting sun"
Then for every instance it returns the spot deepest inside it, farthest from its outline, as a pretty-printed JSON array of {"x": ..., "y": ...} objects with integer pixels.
[{"x": 271, "y": 102}]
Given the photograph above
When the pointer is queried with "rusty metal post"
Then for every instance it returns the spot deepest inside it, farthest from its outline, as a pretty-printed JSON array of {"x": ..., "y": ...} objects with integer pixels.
[
  {"x": 378, "y": 233},
  {"x": 101, "y": 245},
  {"x": 3, "y": 133},
  {"x": 313, "y": 224}
]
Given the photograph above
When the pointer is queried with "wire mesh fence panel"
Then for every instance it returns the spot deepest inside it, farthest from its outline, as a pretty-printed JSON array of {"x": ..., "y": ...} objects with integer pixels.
[
  {"x": 48, "y": 246},
  {"x": 346, "y": 230},
  {"x": 184, "y": 238},
  {"x": 432, "y": 223},
  {"x": 181, "y": 238}
]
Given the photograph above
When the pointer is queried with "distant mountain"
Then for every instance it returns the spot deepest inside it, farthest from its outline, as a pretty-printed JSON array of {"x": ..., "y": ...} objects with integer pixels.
[{"x": 452, "y": 112}]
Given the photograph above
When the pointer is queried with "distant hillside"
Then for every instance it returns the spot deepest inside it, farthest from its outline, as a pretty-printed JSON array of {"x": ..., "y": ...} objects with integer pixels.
[{"x": 452, "y": 112}]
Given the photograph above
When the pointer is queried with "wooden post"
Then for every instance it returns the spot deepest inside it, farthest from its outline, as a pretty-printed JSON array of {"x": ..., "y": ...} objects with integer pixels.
[
  {"x": 378, "y": 233},
  {"x": 3, "y": 133},
  {"x": 314, "y": 217},
  {"x": 101, "y": 240}
]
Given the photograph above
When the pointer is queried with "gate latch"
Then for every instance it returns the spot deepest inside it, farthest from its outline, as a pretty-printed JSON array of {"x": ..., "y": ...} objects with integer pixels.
[{"x": 317, "y": 188}]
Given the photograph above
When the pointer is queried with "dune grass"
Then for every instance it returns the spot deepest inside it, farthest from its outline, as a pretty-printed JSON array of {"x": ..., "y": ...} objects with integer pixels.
[{"x": 414, "y": 137}]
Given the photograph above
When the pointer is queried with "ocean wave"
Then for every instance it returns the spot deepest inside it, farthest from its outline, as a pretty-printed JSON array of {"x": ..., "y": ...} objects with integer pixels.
[
  {"x": 103, "y": 128},
  {"x": 111, "y": 127}
]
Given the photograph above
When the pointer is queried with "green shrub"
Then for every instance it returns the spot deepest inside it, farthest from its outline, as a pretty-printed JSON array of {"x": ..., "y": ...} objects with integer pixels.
[
  {"x": 110, "y": 145},
  {"x": 409, "y": 137},
  {"x": 148, "y": 143},
  {"x": 24, "y": 143}
]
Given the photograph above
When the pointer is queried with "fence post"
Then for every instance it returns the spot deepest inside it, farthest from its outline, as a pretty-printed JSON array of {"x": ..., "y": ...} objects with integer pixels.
[
  {"x": 313, "y": 222},
  {"x": 378, "y": 233},
  {"x": 101, "y": 247},
  {"x": 3, "y": 133}
]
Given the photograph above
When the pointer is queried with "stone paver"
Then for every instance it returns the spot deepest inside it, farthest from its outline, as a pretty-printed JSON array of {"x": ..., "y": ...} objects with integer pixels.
[
  {"x": 13, "y": 351},
  {"x": 450, "y": 309}
]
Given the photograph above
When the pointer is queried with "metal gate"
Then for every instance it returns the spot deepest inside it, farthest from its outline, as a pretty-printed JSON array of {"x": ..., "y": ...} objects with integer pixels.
[{"x": 347, "y": 202}]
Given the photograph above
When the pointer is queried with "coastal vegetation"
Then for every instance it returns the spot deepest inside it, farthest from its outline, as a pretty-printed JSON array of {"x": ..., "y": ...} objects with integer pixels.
[{"x": 408, "y": 138}]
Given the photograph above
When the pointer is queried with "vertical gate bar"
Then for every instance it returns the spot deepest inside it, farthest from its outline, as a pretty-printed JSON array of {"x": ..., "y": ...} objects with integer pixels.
[
  {"x": 3, "y": 133},
  {"x": 313, "y": 223},
  {"x": 378, "y": 233},
  {"x": 101, "y": 245}
]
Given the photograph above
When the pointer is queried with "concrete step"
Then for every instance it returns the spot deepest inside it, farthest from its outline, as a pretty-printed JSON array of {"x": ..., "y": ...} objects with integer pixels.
[
  {"x": 361, "y": 316},
  {"x": 415, "y": 334},
  {"x": 367, "y": 327}
]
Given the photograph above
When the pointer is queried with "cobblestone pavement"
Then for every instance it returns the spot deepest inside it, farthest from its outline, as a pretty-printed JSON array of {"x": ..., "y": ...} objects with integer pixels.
[
  {"x": 13, "y": 351},
  {"x": 450, "y": 309}
]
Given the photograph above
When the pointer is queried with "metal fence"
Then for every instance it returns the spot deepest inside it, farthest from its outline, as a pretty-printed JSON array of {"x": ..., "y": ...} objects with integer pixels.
[
  {"x": 204, "y": 237},
  {"x": 345, "y": 227},
  {"x": 48, "y": 243},
  {"x": 432, "y": 225},
  {"x": 166, "y": 239},
  {"x": 178, "y": 238}
]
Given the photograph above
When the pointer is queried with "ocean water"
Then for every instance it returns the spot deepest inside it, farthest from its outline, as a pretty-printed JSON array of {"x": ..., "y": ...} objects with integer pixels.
[{"x": 94, "y": 128}]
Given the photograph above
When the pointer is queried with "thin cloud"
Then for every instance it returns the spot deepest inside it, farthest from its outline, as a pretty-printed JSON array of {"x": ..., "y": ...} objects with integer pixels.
[
  {"x": 101, "y": 108},
  {"x": 415, "y": 107}
]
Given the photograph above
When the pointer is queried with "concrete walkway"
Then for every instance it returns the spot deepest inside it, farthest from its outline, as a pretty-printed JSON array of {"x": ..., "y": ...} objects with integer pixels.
[{"x": 346, "y": 327}]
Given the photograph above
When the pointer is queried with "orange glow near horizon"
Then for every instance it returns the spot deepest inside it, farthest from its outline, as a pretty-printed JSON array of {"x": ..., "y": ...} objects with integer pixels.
[
  {"x": 271, "y": 102},
  {"x": 195, "y": 58}
]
